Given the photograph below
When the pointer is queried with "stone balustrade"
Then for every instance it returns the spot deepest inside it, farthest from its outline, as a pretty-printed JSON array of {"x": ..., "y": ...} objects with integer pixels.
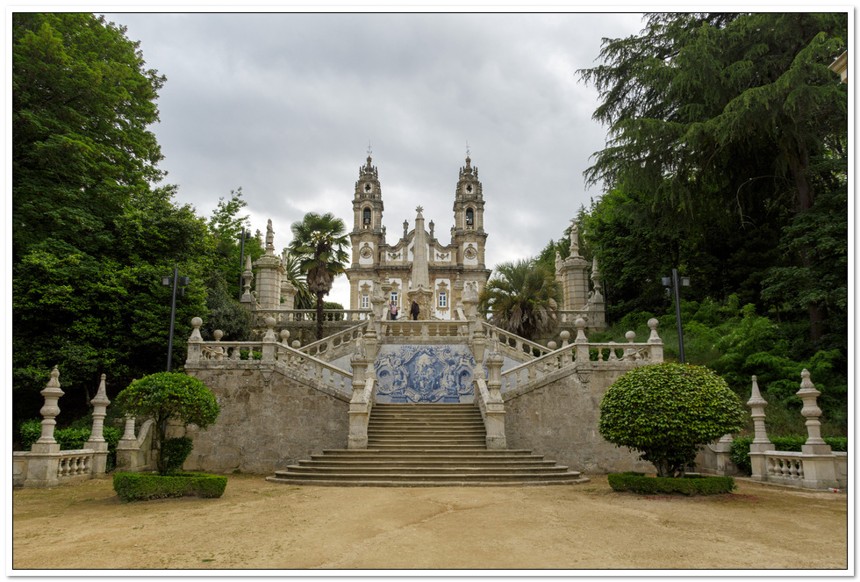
[
  {"x": 339, "y": 344},
  {"x": 428, "y": 329},
  {"x": 512, "y": 345},
  {"x": 268, "y": 353},
  {"x": 581, "y": 354},
  {"x": 283, "y": 316},
  {"x": 45, "y": 465},
  {"x": 815, "y": 466}
]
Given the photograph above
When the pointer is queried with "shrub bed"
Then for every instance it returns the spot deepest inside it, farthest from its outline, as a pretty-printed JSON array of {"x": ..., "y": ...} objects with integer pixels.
[
  {"x": 143, "y": 486},
  {"x": 688, "y": 485}
]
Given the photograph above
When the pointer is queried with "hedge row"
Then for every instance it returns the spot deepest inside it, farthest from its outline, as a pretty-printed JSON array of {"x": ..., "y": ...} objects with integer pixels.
[
  {"x": 143, "y": 486},
  {"x": 741, "y": 447},
  {"x": 690, "y": 485}
]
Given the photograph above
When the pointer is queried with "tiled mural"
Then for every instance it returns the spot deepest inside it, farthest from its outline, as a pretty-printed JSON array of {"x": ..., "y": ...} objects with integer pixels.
[{"x": 414, "y": 373}]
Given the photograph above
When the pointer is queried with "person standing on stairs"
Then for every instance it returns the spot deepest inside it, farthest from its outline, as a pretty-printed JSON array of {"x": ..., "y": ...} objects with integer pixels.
[
  {"x": 415, "y": 310},
  {"x": 392, "y": 310}
]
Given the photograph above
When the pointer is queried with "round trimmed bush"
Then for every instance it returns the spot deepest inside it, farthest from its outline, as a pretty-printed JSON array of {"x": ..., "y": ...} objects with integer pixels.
[
  {"x": 667, "y": 411},
  {"x": 167, "y": 395}
]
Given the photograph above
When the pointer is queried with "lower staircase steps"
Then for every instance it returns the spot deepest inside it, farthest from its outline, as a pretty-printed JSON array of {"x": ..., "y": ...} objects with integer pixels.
[{"x": 426, "y": 445}]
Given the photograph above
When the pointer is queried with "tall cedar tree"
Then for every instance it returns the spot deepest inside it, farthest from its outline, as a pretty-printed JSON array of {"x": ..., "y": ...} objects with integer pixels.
[{"x": 726, "y": 130}]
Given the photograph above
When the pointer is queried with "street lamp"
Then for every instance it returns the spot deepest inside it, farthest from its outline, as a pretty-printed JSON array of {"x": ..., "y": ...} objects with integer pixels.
[
  {"x": 177, "y": 282},
  {"x": 672, "y": 285}
]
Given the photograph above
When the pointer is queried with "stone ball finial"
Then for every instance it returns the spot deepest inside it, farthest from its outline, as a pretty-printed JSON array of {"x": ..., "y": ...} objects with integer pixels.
[
  {"x": 653, "y": 323},
  {"x": 552, "y": 345},
  {"x": 270, "y": 322},
  {"x": 630, "y": 335},
  {"x": 564, "y": 335},
  {"x": 285, "y": 335},
  {"x": 217, "y": 334},
  {"x": 196, "y": 322},
  {"x": 579, "y": 323},
  {"x": 296, "y": 344}
]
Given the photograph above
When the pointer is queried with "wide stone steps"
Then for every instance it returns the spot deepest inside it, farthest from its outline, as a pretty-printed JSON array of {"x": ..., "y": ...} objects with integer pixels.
[{"x": 426, "y": 445}]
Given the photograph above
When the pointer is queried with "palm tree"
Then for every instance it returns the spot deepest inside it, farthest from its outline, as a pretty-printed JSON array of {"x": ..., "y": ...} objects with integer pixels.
[
  {"x": 319, "y": 243},
  {"x": 304, "y": 299},
  {"x": 522, "y": 297}
]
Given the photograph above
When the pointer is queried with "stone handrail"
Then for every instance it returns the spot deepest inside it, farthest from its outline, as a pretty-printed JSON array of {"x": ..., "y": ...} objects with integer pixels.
[
  {"x": 538, "y": 368},
  {"x": 282, "y": 316},
  {"x": 570, "y": 316},
  {"x": 332, "y": 346},
  {"x": 579, "y": 353},
  {"x": 424, "y": 328},
  {"x": 784, "y": 467},
  {"x": 75, "y": 463},
  {"x": 513, "y": 345},
  {"x": 313, "y": 371}
]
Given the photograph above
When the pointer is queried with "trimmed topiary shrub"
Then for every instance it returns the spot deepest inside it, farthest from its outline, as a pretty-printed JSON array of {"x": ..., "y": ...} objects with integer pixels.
[
  {"x": 167, "y": 395},
  {"x": 144, "y": 486},
  {"x": 689, "y": 485},
  {"x": 667, "y": 411},
  {"x": 175, "y": 451}
]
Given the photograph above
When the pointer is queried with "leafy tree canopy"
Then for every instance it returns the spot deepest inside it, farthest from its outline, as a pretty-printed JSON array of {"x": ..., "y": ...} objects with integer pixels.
[{"x": 522, "y": 297}]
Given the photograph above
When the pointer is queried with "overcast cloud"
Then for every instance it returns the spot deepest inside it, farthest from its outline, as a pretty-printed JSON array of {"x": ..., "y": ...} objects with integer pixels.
[{"x": 285, "y": 105}]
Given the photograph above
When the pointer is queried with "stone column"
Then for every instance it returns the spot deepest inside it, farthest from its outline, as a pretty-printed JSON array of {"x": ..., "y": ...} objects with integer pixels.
[
  {"x": 269, "y": 341},
  {"x": 195, "y": 341},
  {"x": 97, "y": 441},
  {"x": 247, "y": 276},
  {"x": 655, "y": 342},
  {"x": 810, "y": 411},
  {"x": 359, "y": 407},
  {"x": 574, "y": 275},
  {"x": 44, "y": 462},
  {"x": 269, "y": 273},
  {"x": 126, "y": 448},
  {"x": 581, "y": 342},
  {"x": 494, "y": 415},
  {"x": 760, "y": 442},
  {"x": 421, "y": 293}
]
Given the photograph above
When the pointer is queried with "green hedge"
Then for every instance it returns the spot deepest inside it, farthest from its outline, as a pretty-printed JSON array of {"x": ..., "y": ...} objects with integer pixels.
[
  {"x": 739, "y": 452},
  {"x": 143, "y": 486},
  {"x": 689, "y": 485}
]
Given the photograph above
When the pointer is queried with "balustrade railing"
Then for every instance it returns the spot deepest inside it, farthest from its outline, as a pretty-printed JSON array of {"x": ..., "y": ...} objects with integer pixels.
[
  {"x": 784, "y": 466},
  {"x": 513, "y": 345},
  {"x": 75, "y": 463},
  {"x": 282, "y": 316},
  {"x": 313, "y": 370},
  {"x": 425, "y": 329},
  {"x": 538, "y": 368},
  {"x": 336, "y": 345},
  {"x": 570, "y": 316}
]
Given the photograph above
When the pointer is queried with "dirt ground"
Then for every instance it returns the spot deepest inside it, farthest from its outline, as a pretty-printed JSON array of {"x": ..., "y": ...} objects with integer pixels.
[{"x": 259, "y": 525}]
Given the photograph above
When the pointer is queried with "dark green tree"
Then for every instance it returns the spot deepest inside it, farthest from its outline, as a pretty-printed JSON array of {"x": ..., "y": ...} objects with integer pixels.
[
  {"x": 521, "y": 297},
  {"x": 320, "y": 243},
  {"x": 733, "y": 126},
  {"x": 92, "y": 234}
]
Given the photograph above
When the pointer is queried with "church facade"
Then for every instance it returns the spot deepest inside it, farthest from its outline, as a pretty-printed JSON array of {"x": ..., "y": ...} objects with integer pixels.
[{"x": 418, "y": 266}]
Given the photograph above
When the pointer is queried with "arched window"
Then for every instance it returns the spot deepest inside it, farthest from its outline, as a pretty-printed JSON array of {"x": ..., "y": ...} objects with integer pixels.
[
  {"x": 470, "y": 217},
  {"x": 366, "y": 217}
]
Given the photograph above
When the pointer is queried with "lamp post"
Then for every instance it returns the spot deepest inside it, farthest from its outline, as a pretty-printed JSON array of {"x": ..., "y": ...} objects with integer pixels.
[
  {"x": 674, "y": 283},
  {"x": 177, "y": 282},
  {"x": 241, "y": 261}
]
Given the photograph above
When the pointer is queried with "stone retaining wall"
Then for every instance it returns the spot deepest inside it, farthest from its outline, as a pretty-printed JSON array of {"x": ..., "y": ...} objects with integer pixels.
[
  {"x": 560, "y": 421},
  {"x": 267, "y": 421}
]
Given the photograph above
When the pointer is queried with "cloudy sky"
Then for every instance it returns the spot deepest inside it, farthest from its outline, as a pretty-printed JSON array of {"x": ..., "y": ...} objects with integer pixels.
[{"x": 285, "y": 105}]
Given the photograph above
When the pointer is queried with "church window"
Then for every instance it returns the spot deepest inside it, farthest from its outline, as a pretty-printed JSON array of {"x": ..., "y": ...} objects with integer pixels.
[
  {"x": 470, "y": 217},
  {"x": 366, "y": 217},
  {"x": 443, "y": 299},
  {"x": 394, "y": 297},
  {"x": 365, "y": 301}
]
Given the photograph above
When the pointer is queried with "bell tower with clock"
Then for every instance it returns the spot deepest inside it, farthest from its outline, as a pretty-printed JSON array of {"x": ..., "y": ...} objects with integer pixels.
[{"x": 468, "y": 232}]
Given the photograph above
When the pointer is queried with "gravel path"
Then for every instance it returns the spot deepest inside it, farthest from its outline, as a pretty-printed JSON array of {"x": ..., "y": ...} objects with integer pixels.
[{"x": 259, "y": 525}]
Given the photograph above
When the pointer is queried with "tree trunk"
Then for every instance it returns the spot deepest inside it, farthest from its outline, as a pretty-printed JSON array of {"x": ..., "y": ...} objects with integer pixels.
[{"x": 320, "y": 315}]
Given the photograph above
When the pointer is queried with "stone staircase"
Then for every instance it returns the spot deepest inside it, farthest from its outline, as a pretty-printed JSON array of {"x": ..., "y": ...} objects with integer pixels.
[{"x": 426, "y": 445}]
